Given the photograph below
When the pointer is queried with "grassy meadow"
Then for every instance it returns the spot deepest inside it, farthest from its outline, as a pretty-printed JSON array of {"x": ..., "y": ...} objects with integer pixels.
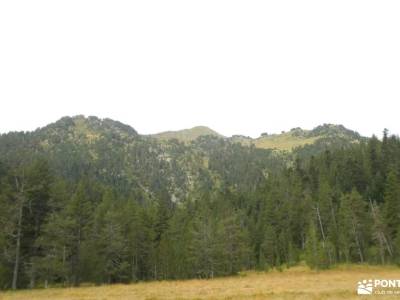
[
  {"x": 285, "y": 141},
  {"x": 294, "y": 283}
]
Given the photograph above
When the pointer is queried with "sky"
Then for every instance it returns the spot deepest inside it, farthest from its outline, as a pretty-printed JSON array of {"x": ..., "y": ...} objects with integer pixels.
[{"x": 239, "y": 67}]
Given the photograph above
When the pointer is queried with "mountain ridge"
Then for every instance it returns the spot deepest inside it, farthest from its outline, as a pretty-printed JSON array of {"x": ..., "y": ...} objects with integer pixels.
[
  {"x": 83, "y": 129},
  {"x": 285, "y": 141}
]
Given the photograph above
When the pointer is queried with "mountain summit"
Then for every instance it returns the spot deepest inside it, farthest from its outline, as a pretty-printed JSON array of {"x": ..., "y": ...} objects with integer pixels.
[
  {"x": 298, "y": 137},
  {"x": 187, "y": 135}
]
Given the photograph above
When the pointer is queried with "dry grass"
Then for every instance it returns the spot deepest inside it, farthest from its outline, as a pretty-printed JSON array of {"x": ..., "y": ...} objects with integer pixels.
[
  {"x": 294, "y": 283},
  {"x": 284, "y": 141},
  {"x": 186, "y": 135}
]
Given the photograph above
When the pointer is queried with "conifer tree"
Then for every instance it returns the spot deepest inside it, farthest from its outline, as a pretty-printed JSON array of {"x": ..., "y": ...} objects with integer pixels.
[
  {"x": 392, "y": 203},
  {"x": 354, "y": 224}
]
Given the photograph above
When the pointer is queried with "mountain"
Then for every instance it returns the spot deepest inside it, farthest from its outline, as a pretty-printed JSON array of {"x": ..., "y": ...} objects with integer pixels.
[
  {"x": 116, "y": 155},
  {"x": 327, "y": 134},
  {"x": 173, "y": 163},
  {"x": 186, "y": 135},
  {"x": 285, "y": 141}
]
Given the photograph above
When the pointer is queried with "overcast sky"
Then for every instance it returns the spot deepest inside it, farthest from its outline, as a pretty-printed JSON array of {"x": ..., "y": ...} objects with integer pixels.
[{"x": 239, "y": 67}]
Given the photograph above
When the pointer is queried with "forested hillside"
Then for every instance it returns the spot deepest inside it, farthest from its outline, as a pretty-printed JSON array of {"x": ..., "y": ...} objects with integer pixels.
[{"x": 91, "y": 200}]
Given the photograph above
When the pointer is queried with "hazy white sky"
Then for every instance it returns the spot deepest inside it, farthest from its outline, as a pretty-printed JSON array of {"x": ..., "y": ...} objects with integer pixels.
[{"x": 239, "y": 67}]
